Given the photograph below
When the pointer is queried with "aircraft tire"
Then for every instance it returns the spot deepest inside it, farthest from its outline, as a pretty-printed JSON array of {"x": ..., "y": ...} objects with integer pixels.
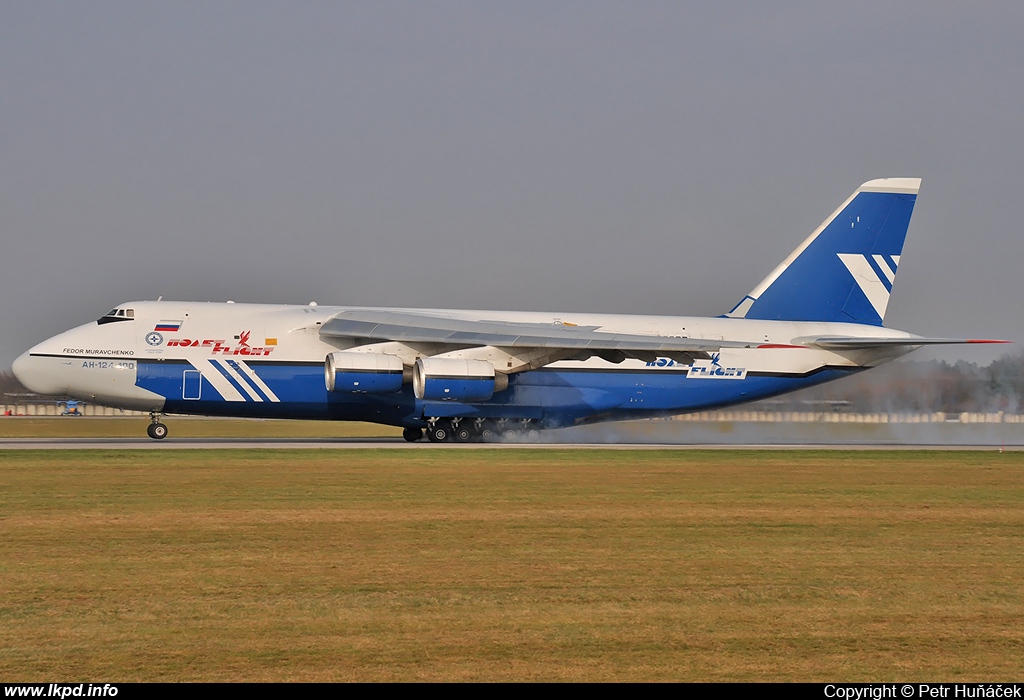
[
  {"x": 157, "y": 431},
  {"x": 489, "y": 431},
  {"x": 441, "y": 431},
  {"x": 412, "y": 434},
  {"x": 462, "y": 433}
]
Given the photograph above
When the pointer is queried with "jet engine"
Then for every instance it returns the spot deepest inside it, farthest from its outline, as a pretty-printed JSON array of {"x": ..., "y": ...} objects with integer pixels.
[
  {"x": 448, "y": 379},
  {"x": 363, "y": 372}
]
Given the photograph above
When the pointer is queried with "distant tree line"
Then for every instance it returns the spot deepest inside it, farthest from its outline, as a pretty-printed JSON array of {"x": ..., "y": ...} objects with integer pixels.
[
  {"x": 921, "y": 387},
  {"x": 11, "y": 387}
]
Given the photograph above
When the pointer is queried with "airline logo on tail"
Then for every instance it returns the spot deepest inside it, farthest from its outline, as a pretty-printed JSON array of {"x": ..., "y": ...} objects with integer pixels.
[{"x": 874, "y": 274}]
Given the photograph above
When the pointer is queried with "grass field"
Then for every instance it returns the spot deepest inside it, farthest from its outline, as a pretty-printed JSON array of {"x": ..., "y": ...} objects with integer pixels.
[
  {"x": 90, "y": 427},
  {"x": 511, "y": 564}
]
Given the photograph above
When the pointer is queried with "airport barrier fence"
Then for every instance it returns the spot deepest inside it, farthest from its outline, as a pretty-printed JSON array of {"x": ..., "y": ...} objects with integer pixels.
[
  {"x": 723, "y": 416},
  {"x": 57, "y": 409}
]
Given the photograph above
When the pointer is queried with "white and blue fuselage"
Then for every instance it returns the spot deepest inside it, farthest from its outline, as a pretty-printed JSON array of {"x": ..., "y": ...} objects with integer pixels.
[
  {"x": 251, "y": 360},
  {"x": 817, "y": 316}
]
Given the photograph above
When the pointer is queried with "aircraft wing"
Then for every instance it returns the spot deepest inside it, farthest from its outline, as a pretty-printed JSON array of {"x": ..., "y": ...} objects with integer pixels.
[
  {"x": 853, "y": 343},
  {"x": 379, "y": 325}
]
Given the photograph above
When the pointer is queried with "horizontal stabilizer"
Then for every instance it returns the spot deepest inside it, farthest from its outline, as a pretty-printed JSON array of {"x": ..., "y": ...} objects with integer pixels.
[{"x": 841, "y": 343}]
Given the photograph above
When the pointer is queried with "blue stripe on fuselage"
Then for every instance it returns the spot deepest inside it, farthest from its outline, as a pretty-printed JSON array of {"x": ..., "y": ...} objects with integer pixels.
[
  {"x": 247, "y": 379},
  {"x": 556, "y": 396},
  {"x": 231, "y": 380}
]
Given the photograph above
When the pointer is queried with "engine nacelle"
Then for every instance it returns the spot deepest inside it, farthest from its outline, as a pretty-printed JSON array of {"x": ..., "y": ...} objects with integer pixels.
[
  {"x": 363, "y": 372},
  {"x": 448, "y": 379}
]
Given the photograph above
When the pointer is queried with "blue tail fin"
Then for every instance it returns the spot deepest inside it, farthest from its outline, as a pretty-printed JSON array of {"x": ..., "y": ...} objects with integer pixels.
[{"x": 844, "y": 270}]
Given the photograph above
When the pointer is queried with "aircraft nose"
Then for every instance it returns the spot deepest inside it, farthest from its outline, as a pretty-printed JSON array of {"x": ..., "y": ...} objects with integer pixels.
[
  {"x": 21, "y": 368},
  {"x": 32, "y": 373}
]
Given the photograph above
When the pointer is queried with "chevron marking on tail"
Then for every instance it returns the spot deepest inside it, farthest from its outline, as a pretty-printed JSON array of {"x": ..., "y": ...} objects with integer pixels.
[{"x": 875, "y": 287}]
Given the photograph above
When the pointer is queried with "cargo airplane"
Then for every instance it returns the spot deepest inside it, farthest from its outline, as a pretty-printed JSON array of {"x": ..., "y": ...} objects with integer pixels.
[{"x": 485, "y": 375}]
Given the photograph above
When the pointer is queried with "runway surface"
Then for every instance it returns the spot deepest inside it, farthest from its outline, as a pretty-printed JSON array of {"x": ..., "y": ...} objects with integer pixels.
[{"x": 399, "y": 444}]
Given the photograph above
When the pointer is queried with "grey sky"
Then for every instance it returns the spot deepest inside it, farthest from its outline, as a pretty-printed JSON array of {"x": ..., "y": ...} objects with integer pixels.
[{"x": 621, "y": 157}]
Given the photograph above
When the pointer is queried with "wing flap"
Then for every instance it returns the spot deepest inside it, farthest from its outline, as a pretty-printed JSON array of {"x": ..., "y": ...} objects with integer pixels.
[{"x": 376, "y": 325}]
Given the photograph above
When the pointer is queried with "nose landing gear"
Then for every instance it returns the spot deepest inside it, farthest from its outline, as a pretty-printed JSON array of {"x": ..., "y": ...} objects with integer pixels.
[{"x": 156, "y": 429}]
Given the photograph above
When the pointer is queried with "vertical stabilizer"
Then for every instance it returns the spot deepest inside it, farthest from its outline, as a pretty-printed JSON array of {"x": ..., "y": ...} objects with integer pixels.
[{"x": 845, "y": 270}]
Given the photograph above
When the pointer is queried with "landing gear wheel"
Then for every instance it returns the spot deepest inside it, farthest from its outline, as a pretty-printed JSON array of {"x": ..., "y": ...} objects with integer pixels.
[
  {"x": 489, "y": 431},
  {"x": 462, "y": 432},
  {"x": 441, "y": 431},
  {"x": 412, "y": 434},
  {"x": 157, "y": 431},
  {"x": 521, "y": 430}
]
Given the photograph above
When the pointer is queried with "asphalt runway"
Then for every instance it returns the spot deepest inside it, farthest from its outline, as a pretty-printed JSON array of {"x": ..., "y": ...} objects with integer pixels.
[{"x": 399, "y": 444}]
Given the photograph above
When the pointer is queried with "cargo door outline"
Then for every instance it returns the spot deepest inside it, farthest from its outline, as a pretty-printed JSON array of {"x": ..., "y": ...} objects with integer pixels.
[{"x": 191, "y": 385}]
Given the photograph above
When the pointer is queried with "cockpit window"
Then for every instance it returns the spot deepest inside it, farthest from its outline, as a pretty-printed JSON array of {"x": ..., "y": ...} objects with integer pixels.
[{"x": 115, "y": 315}]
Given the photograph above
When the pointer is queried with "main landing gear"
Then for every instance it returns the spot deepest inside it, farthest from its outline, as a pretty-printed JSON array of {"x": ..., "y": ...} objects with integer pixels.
[
  {"x": 156, "y": 429},
  {"x": 412, "y": 434},
  {"x": 481, "y": 430}
]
